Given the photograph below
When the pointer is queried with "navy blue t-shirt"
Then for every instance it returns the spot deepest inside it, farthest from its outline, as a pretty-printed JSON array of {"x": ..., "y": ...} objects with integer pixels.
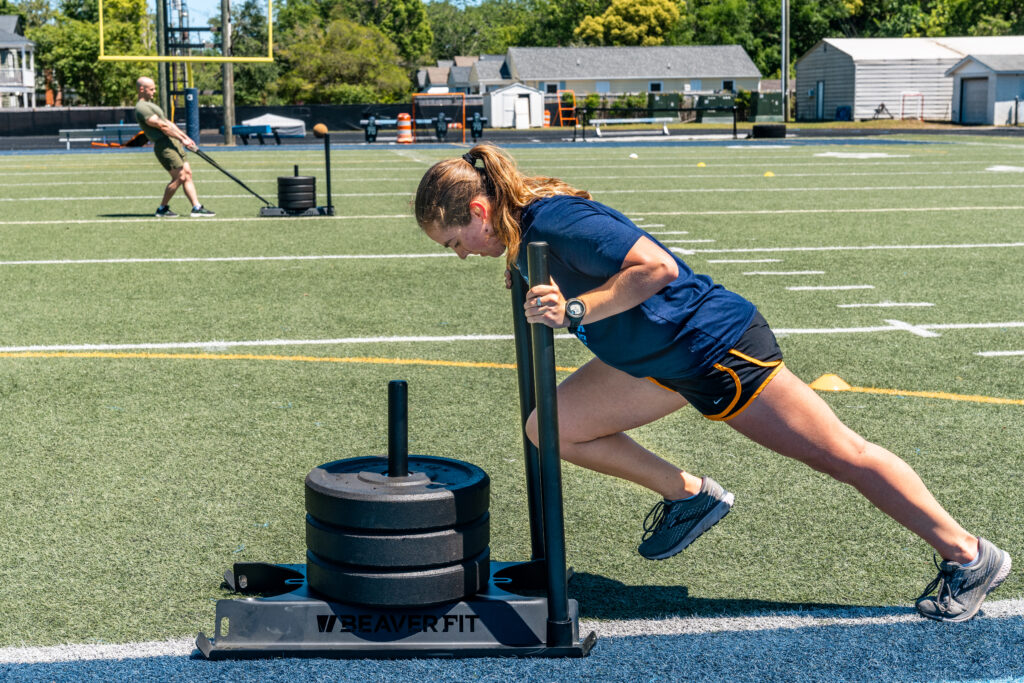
[{"x": 679, "y": 332}]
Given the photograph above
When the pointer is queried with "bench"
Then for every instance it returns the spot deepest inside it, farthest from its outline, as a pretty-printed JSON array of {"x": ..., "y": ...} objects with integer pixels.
[
  {"x": 123, "y": 131},
  {"x": 103, "y": 135},
  {"x": 663, "y": 120},
  {"x": 245, "y": 132}
]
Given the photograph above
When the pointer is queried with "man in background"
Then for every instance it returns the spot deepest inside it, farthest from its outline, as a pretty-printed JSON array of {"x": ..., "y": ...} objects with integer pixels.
[{"x": 169, "y": 142}]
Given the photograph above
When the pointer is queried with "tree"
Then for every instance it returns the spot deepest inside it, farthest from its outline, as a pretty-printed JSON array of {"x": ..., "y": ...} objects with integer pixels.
[
  {"x": 249, "y": 37},
  {"x": 553, "y": 22},
  {"x": 631, "y": 22},
  {"x": 403, "y": 21},
  {"x": 345, "y": 63},
  {"x": 69, "y": 46}
]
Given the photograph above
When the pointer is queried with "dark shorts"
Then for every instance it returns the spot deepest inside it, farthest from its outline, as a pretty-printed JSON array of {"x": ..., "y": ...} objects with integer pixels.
[
  {"x": 170, "y": 153},
  {"x": 730, "y": 385}
]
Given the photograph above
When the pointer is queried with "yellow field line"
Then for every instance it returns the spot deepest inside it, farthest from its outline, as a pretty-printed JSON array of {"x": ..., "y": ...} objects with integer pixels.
[
  {"x": 254, "y": 356},
  {"x": 823, "y": 383},
  {"x": 836, "y": 383}
]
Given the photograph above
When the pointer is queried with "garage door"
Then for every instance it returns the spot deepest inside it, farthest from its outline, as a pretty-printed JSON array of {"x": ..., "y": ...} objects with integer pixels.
[{"x": 974, "y": 100}]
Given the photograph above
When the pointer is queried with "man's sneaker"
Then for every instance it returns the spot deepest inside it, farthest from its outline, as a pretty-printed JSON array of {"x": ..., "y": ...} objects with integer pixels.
[
  {"x": 201, "y": 212},
  {"x": 960, "y": 590},
  {"x": 671, "y": 525},
  {"x": 165, "y": 212}
]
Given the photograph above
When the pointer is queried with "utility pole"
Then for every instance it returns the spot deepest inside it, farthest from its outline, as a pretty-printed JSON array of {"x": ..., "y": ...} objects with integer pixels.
[
  {"x": 163, "y": 83},
  {"x": 785, "y": 61},
  {"x": 228, "y": 73}
]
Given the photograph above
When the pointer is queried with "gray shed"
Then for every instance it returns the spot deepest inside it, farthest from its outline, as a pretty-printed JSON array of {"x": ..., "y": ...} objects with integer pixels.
[
  {"x": 988, "y": 89},
  {"x": 883, "y": 77}
]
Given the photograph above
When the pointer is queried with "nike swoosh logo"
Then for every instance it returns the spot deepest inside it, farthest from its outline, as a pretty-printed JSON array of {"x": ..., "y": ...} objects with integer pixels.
[{"x": 715, "y": 403}]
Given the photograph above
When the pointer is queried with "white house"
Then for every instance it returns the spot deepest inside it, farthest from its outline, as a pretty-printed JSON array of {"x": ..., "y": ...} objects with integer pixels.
[
  {"x": 17, "y": 65},
  {"x": 514, "y": 106},
  {"x": 988, "y": 89},
  {"x": 883, "y": 77}
]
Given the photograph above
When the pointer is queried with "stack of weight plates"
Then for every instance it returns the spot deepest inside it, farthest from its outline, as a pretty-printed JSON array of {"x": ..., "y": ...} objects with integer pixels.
[
  {"x": 296, "y": 192},
  {"x": 387, "y": 541}
]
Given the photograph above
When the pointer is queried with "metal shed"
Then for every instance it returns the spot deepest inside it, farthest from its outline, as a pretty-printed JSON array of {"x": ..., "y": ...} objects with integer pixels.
[
  {"x": 514, "y": 106},
  {"x": 882, "y": 77},
  {"x": 988, "y": 89}
]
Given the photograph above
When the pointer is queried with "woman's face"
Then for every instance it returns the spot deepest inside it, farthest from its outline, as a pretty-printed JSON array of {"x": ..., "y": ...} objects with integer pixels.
[{"x": 476, "y": 237}]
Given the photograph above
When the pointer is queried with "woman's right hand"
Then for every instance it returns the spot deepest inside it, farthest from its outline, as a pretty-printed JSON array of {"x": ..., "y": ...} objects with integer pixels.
[{"x": 508, "y": 279}]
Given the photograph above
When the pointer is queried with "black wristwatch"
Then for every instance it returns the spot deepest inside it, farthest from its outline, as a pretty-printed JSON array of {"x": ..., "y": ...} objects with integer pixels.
[{"x": 575, "y": 309}]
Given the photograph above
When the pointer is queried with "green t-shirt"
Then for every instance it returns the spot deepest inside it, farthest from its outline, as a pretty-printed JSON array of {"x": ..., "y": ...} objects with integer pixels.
[{"x": 143, "y": 111}]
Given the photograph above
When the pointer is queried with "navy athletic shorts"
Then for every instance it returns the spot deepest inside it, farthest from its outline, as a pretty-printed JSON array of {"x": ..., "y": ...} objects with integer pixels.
[{"x": 730, "y": 385}]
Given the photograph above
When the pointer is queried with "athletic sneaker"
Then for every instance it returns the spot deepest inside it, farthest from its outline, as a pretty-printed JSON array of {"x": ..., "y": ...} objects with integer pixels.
[
  {"x": 165, "y": 212},
  {"x": 201, "y": 212},
  {"x": 961, "y": 590},
  {"x": 671, "y": 525}
]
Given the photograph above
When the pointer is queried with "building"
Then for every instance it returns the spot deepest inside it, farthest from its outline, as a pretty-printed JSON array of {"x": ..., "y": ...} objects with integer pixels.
[
  {"x": 514, "y": 106},
  {"x": 612, "y": 70},
  {"x": 675, "y": 68},
  {"x": 864, "y": 78},
  {"x": 17, "y": 65},
  {"x": 988, "y": 89}
]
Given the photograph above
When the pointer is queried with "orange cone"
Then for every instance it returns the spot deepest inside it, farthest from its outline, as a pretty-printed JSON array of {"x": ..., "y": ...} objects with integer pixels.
[{"x": 404, "y": 129}]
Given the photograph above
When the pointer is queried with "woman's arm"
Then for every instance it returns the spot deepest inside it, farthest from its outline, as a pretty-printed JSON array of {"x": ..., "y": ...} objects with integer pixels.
[{"x": 646, "y": 269}]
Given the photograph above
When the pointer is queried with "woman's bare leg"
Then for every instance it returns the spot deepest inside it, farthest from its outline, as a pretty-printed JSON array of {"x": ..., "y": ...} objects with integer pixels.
[
  {"x": 790, "y": 418},
  {"x": 596, "y": 404}
]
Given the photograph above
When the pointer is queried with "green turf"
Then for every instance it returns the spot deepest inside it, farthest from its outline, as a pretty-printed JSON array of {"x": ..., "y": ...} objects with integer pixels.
[{"x": 130, "y": 484}]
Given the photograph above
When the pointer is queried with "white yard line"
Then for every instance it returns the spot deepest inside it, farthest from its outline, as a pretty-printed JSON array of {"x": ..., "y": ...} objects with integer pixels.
[
  {"x": 893, "y": 209},
  {"x": 669, "y": 232},
  {"x": 913, "y": 329},
  {"x": 885, "y": 304},
  {"x": 826, "y": 288},
  {"x": 687, "y": 241},
  {"x": 702, "y": 190},
  {"x": 873, "y": 247},
  {"x": 152, "y": 220},
  {"x": 747, "y": 260},
  {"x": 221, "y": 345},
  {"x": 995, "y": 354},
  {"x": 785, "y": 272},
  {"x": 216, "y": 259}
]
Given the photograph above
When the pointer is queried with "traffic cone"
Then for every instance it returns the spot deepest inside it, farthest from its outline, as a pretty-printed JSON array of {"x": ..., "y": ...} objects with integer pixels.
[{"x": 404, "y": 129}]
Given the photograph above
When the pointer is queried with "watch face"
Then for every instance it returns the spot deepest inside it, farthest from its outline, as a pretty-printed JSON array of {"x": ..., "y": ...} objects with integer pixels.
[{"x": 575, "y": 309}]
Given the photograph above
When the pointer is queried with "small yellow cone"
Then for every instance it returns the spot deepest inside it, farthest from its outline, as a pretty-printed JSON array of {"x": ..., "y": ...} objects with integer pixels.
[
  {"x": 769, "y": 174},
  {"x": 830, "y": 383},
  {"x": 701, "y": 164}
]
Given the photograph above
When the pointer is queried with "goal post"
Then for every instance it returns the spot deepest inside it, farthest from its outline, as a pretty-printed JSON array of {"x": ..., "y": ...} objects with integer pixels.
[
  {"x": 188, "y": 58},
  {"x": 907, "y": 98},
  {"x": 427, "y": 108}
]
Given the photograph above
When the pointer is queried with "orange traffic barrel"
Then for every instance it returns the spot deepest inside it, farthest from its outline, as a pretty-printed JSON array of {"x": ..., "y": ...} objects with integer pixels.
[
  {"x": 404, "y": 129},
  {"x": 547, "y": 118}
]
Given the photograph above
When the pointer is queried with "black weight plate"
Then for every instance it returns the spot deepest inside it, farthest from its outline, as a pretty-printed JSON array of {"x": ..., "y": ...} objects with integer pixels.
[
  {"x": 296, "y": 204},
  {"x": 305, "y": 198},
  {"x": 397, "y": 548},
  {"x": 357, "y": 493},
  {"x": 294, "y": 193},
  {"x": 398, "y": 588},
  {"x": 769, "y": 130},
  {"x": 296, "y": 180}
]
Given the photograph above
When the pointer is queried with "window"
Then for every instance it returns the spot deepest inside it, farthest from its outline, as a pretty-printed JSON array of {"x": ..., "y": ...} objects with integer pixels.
[
  {"x": 654, "y": 86},
  {"x": 602, "y": 86},
  {"x": 551, "y": 88},
  {"x": 695, "y": 84},
  {"x": 728, "y": 85}
]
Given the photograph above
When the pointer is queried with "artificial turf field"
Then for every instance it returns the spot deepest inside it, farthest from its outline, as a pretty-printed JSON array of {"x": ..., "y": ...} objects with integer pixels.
[{"x": 163, "y": 391}]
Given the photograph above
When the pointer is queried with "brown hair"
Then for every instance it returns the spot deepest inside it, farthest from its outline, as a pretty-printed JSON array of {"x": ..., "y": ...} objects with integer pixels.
[{"x": 447, "y": 188}]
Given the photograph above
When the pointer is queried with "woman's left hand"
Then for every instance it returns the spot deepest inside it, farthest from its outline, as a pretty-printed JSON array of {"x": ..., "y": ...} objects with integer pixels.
[{"x": 546, "y": 305}]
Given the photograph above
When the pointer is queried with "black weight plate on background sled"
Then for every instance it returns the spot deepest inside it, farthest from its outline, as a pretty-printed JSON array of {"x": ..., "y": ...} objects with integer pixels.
[
  {"x": 296, "y": 203},
  {"x": 397, "y": 549},
  {"x": 357, "y": 493},
  {"x": 398, "y": 588},
  {"x": 296, "y": 181},
  {"x": 769, "y": 130},
  {"x": 293, "y": 195}
]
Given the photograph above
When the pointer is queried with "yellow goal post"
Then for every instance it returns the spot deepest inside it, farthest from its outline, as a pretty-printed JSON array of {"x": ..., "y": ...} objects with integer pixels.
[{"x": 103, "y": 57}]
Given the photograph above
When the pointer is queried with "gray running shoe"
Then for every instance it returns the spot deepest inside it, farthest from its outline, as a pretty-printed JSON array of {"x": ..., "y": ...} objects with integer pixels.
[
  {"x": 961, "y": 590},
  {"x": 671, "y": 525},
  {"x": 165, "y": 212},
  {"x": 201, "y": 212}
]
